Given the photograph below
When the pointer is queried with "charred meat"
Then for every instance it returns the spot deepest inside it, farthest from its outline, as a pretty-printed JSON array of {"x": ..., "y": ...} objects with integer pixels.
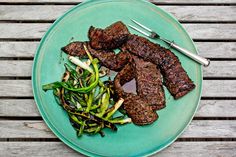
[
  {"x": 108, "y": 58},
  {"x": 136, "y": 107},
  {"x": 149, "y": 83},
  {"x": 176, "y": 79},
  {"x": 109, "y": 38}
]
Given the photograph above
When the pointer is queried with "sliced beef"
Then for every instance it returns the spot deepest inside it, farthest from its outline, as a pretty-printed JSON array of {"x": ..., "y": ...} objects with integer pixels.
[
  {"x": 136, "y": 107},
  {"x": 176, "y": 79},
  {"x": 138, "y": 110},
  {"x": 149, "y": 83},
  {"x": 122, "y": 77},
  {"x": 75, "y": 49},
  {"x": 107, "y": 58},
  {"x": 109, "y": 38}
]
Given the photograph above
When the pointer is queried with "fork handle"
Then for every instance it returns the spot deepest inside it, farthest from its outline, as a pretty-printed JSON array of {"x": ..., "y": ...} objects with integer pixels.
[{"x": 204, "y": 61}]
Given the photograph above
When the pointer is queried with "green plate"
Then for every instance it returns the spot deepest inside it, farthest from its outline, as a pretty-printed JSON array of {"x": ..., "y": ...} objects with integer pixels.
[{"x": 130, "y": 140}]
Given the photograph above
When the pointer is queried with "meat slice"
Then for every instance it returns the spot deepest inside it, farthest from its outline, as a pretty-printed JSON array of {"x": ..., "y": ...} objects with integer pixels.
[
  {"x": 109, "y": 38},
  {"x": 136, "y": 107},
  {"x": 149, "y": 83},
  {"x": 175, "y": 77},
  {"x": 107, "y": 58},
  {"x": 75, "y": 49},
  {"x": 124, "y": 76},
  {"x": 138, "y": 110}
]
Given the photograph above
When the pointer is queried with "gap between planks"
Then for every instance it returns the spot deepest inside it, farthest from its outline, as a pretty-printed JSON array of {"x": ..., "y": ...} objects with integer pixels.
[
  {"x": 181, "y": 21},
  {"x": 157, "y": 2}
]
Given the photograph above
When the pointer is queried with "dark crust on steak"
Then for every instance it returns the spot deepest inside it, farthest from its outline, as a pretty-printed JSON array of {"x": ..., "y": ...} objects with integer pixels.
[
  {"x": 175, "y": 77},
  {"x": 136, "y": 107},
  {"x": 124, "y": 76},
  {"x": 138, "y": 110},
  {"x": 107, "y": 58},
  {"x": 109, "y": 38},
  {"x": 75, "y": 49},
  {"x": 149, "y": 83}
]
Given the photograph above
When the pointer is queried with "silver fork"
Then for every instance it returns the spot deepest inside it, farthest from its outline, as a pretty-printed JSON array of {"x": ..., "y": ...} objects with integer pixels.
[{"x": 152, "y": 34}]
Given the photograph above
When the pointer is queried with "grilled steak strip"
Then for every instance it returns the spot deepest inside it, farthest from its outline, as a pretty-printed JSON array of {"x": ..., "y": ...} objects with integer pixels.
[
  {"x": 109, "y": 38},
  {"x": 149, "y": 83},
  {"x": 107, "y": 58},
  {"x": 175, "y": 77},
  {"x": 136, "y": 107}
]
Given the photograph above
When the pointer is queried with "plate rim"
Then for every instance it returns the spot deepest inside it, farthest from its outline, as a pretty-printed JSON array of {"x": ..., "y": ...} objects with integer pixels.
[{"x": 34, "y": 80}]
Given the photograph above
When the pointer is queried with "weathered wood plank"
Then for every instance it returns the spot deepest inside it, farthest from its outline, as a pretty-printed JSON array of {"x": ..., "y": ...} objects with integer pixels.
[
  {"x": 23, "y": 69},
  {"x": 15, "y": 68},
  {"x": 211, "y": 129},
  {"x": 217, "y": 49},
  {"x": 211, "y": 31},
  {"x": 211, "y": 88},
  {"x": 27, "y": 108},
  {"x": 194, "y": 1},
  {"x": 216, "y": 108},
  {"x": 18, "y": 49},
  {"x": 41, "y": 1},
  {"x": 196, "y": 31},
  {"x": 153, "y": 1},
  {"x": 202, "y": 13},
  {"x": 18, "y": 108},
  {"x": 220, "y": 69},
  {"x": 15, "y": 88},
  {"x": 183, "y": 13},
  {"x": 28, "y": 12},
  {"x": 197, "y": 129},
  {"x": 177, "y": 149},
  {"x": 24, "y": 129},
  {"x": 207, "y": 49},
  {"x": 219, "y": 88},
  {"x": 26, "y": 30}
]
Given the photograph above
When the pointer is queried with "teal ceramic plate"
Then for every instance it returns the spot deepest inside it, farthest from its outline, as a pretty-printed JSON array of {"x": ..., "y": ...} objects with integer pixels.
[{"x": 130, "y": 140}]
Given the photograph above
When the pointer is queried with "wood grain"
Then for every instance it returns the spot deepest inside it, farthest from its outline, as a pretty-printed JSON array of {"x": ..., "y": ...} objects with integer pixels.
[
  {"x": 23, "y": 69},
  {"x": 16, "y": 68},
  {"x": 219, "y": 88},
  {"x": 183, "y": 13},
  {"x": 16, "y": 88},
  {"x": 18, "y": 108},
  {"x": 207, "y": 49},
  {"x": 221, "y": 69},
  {"x": 27, "y": 108},
  {"x": 211, "y": 31},
  {"x": 23, "y": 31},
  {"x": 211, "y": 88},
  {"x": 212, "y": 20},
  {"x": 18, "y": 49},
  {"x": 153, "y": 1},
  {"x": 194, "y": 1},
  {"x": 24, "y": 129},
  {"x": 217, "y": 49},
  {"x": 196, "y": 31},
  {"x": 216, "y": 108},
  {"x": 177, "y": 149},
  {"x": 197, "y": 129}
]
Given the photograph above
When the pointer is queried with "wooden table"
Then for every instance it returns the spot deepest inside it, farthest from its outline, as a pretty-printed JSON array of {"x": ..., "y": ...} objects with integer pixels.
[{"x": 212, "y": 25}]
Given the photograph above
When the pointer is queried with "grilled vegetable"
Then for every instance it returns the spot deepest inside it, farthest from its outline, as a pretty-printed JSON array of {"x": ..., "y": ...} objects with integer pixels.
[{"x": 87, "y": 100}]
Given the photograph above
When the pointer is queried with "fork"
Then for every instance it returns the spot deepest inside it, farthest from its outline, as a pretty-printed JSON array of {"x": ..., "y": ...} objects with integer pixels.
[{"x": 152, "y": 34}]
